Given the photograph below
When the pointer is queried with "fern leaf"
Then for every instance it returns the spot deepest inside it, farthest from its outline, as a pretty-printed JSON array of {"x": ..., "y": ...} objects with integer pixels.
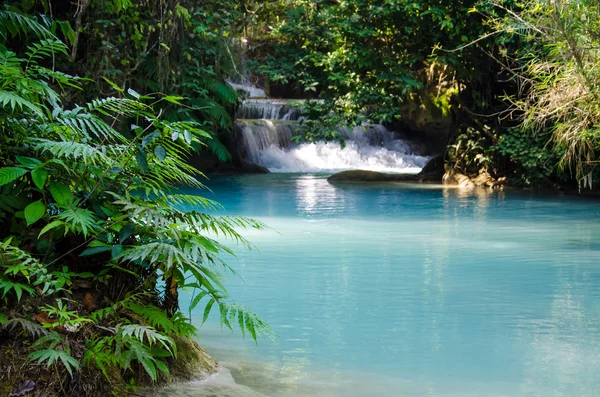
[
  {"x": 51, "y": 356},
  {"x": 218, "y": 149},
  {"x": 149, "y": 335},
  {"x": 15, "y": 102},
  {"x": 14, "y": 24},
  {"x": 71, "y": 151},
  {"x": 32, "y": 328},
  {"x": 79, "y": 220}
]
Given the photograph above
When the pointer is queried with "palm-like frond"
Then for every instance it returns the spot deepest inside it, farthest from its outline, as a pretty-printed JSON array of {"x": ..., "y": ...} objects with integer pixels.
[
  {"x": 147, "y": 335},
  {"x": 86, "y": 125},
  {"x": 16, "y": 103},
  {"x": 79, "y": 220},
  {"x": 76, "y": 151},
  {"x": 218, "y": 149},
  {"x": 14, "y": 24},
  {"x": 223, "y": 91},
  {"x": 32, "y": 328},
  {"x": 119, "y": 106}
]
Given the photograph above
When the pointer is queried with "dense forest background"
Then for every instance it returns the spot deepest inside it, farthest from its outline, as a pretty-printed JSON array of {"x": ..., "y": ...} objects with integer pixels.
[
  {"x": 488, "y": 72},
  {"x": 104, "y": 103}
]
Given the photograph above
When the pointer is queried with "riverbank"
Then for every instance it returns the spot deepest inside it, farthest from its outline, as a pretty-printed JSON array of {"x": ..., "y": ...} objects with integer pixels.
[{"x": 20, "y": 377}]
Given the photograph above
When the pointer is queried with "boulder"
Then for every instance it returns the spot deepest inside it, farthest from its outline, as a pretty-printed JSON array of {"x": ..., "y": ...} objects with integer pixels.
[
  {"x": 433, "y": 171},
  {"x": 453, "y": 177},
  {"x": 370, "y": 176},
  {"x": 247, "y": 167}
]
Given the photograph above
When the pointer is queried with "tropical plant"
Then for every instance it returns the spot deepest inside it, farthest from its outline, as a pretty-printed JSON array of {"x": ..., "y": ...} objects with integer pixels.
[
  {"x": 556, "y": 66},
  {"x": 96, "y": 237},
  {"x": 368, "y": 56}
]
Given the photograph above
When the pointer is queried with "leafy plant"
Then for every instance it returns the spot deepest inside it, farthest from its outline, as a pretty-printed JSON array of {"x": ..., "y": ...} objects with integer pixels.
[{"x": 91, "y": 202}]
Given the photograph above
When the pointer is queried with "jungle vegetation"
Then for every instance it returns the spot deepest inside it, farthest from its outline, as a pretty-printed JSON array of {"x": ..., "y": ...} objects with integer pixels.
[
  {"x": 517, "y": 77},
  {"x": 96, "y": 241},
  {"x": 103, "y": 102}
]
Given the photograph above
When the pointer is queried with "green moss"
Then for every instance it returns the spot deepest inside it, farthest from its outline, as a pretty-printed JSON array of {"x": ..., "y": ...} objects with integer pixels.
[{"x": 192, "y": 361}]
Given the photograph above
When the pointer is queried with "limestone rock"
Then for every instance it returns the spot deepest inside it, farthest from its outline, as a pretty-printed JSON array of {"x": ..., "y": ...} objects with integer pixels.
[{"x": 453, "y": 177}]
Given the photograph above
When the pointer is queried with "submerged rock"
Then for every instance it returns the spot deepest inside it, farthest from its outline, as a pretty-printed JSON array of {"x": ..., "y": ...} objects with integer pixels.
[
  {"x": 432, "y": 172},
  {"x": 370, "y": 176}
]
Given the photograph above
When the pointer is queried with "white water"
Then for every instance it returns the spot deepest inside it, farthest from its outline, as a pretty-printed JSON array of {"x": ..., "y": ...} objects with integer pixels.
[
  {"x": 265, "y": 136},
  {"x": 251, "y": 90},
  {"x": 269, "y": 109},
  {"x": 373, "y": 148}
]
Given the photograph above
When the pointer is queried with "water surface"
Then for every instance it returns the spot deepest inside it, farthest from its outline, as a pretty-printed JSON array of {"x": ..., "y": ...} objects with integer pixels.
[{"x": 408, "y": 290}]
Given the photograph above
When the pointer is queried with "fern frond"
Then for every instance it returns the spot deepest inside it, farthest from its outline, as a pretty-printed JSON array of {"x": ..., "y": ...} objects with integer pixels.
[
  {"x": 15, "y": 24},
  {"x": 87, "y": 125},
  {"x": 160, "y": 319},
  {"x": 51, "y": 356},
  {"x": 32, "y": 328},
  {"x": 166, "y": 251},
  {"x": 148, "y": 335},
  {"x": 119, "y": 106},
  {"x": 14, "y": 102},
  {"x": 45, "y": 48},
  {"x": 214, "y": 111},
  {"x": 218, "y": 149},
  {"x": 79, "y": 220},
  {"x": 224, "y": 92},
  {"x": 189, "y": 200},
  {"x": 144, "y": 355},
  {"x": 83, "y": 152}
]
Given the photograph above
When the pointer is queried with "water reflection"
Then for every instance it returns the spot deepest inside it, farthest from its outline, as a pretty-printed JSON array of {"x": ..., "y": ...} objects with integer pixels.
[{"x": 424, "y": 290}]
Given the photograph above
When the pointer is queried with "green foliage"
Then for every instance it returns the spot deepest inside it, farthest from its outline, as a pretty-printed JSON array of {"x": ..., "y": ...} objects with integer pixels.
[
  {"x": 558, "y": 65},
  {"x": 90, "y": 202},
  {"x": 534, "y": 157},
  {"x": 366, "y": 56},
  {"x": 52, "y": 349}
]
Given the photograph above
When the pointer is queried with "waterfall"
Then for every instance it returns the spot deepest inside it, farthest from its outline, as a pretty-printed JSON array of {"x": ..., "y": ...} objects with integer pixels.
[
  {"x": 269, "y": 109},
  {"x": 250, "y": 90},
  {"x": 265, "y": 128}
]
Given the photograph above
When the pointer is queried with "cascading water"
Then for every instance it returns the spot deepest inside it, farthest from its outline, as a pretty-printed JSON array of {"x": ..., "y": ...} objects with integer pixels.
[
  {"x": 265, "y": 128},
  {"x": 269, "y": 109},
  {"x": 250, "y": 90}
]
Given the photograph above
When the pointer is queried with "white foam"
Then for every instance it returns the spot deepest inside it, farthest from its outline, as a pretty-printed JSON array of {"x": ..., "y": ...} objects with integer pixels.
[
  {"x": 372, "y": 148},
  {"x": 252, "y": 91}
]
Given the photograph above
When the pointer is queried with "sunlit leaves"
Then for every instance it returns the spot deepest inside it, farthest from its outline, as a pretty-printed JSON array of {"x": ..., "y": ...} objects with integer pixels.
[{"x": 86, "y": 193}]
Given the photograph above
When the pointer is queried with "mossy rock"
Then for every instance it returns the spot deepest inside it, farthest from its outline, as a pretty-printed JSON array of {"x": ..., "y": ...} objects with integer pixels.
[{"x": 192, "y": 362}]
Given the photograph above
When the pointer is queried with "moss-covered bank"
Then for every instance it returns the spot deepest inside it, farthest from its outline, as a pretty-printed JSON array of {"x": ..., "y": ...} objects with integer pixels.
[{"x": 19, "y": 377}]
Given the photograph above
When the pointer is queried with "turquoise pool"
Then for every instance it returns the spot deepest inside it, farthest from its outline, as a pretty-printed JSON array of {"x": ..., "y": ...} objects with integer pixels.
[{"x": 409, "y": 290}]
